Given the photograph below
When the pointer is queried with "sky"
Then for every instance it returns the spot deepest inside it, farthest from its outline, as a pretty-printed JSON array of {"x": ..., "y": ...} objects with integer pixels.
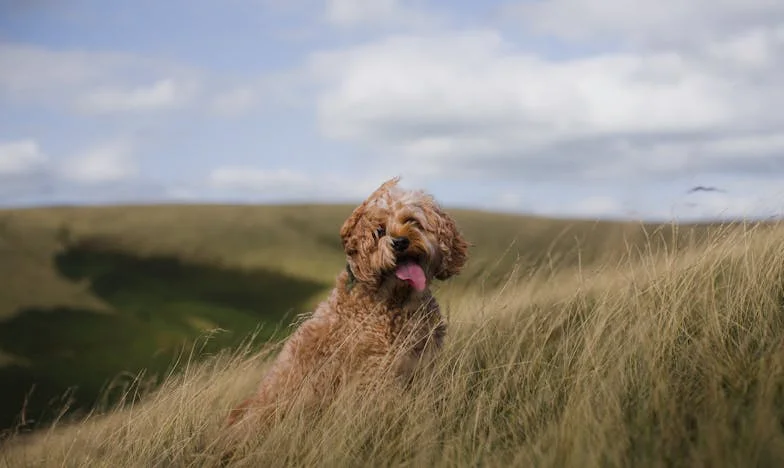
[{"x": 577, "y": 108}]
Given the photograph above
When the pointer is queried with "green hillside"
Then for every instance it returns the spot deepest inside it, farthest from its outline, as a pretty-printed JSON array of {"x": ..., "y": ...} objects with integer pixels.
[{"x": 93, "y": 295}]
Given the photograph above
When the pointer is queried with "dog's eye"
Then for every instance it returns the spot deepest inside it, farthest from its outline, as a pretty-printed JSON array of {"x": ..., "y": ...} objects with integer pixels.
[
  {"x": 412, "y": 220},
  {"x": 380, "y": 232}
]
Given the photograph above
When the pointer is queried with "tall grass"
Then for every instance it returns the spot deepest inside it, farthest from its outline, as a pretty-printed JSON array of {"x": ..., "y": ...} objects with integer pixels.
[{"x": 668, "y": 357}]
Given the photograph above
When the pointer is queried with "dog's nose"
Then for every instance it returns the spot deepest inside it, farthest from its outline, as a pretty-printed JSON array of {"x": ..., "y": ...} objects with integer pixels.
[{"x": 400, "y": 243}]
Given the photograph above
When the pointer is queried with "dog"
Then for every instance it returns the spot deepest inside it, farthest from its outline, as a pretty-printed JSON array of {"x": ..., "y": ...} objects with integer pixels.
[{"x": 381, "y": 317}]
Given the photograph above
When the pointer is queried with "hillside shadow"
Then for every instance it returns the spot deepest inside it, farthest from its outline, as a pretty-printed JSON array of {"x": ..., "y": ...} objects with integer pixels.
[{"x": 159, "y": 306}]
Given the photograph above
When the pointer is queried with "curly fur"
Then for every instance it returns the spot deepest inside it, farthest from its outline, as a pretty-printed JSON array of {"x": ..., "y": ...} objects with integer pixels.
[{"x": 372, "y": 322}]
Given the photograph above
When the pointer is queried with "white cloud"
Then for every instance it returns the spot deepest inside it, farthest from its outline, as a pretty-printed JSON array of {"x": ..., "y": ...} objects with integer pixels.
[
  {"x": 755, "y": 48},
  {"x": 235, "y": 101},
  {"x": 509, "y": 201},
  {"x": 113, "y": 82},
  {"x": 370, "y": 13},
  {"x": 102, "y": 172},
  {"x": 28, "y": 70},
  {"x": 102, "y": 164},
  {"x": 609, "y": 95},
  {"x": 20, "y": 158},
  {"x": 445, "y": 85},
  {"x": 582, "y": 202},
  {"x": 755, "y": 202},
  {"x": 162, "y": 94},
  {"x": 260, "y": 180},
  {"x": 598, "y": 206},
  {"x": 96, "y": 82},
  {"x": 285, "y": 184},
  {"x": 643, "y": 22},
  {"x": 473, "y": 103}
]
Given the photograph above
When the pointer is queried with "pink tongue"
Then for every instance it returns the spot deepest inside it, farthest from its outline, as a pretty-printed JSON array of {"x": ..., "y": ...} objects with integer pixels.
[{"x": 413, "y": 274}]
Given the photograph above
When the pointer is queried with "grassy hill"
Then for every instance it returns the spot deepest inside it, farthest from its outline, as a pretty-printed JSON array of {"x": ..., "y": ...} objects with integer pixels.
[{"x": 546, "y": 311}]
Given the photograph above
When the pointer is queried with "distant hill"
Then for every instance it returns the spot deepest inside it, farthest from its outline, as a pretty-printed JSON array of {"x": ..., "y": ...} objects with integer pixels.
[{"x": 93, "y": 293}]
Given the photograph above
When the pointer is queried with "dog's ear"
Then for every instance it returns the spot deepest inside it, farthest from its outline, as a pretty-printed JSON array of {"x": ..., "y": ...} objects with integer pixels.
[
  {"x": 347, "y": 230},
  {"x": 350, "y": 242},
  {"x": 357, "y": 237},
  {"x": 454, "y": 247}
]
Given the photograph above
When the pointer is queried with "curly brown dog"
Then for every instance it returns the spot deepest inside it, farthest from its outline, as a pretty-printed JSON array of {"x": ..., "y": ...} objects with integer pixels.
[{"x": 381, "y": 316}]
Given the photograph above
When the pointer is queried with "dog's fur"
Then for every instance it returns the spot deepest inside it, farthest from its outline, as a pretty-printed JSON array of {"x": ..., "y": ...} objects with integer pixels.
[{"x": 373, "y": 322}]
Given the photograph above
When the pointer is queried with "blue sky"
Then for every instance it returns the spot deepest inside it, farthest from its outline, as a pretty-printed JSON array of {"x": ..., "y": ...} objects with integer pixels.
[{"x": 591, "y": 108}]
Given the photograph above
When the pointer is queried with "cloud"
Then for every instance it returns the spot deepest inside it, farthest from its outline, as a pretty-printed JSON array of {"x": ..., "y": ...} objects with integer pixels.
[
  {"x": 103, "y": 172},
  {"x": 20, "y": 158},
  {"x": 250, "y": 179},
  {"x": 508, "y": 201},
  {"x": 598, "y": 206},
  {"x": 374, "y": 13},
  {"x": 754, "y": 205},
  {"x": 471, "y": 103},
  {"x": 450, "y": 84},
  {"x": 644, "y": 23},
  {"x": 288, "y": 185},
  {"x": 235, "y": 101},
  {"x": 163, "y": 94},
  {"x": 30, "y": 69},
  {"x": 553, "y": 200},
  {"x": 564, "y": 108},
  {"x": 24, "y": 169},
  {"x": 105, "y": 163},
  {"x": 98, "y": 82}
]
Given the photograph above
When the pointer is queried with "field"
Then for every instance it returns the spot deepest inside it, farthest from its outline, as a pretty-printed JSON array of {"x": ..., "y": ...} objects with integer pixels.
[{"x": 571, "y": 343}]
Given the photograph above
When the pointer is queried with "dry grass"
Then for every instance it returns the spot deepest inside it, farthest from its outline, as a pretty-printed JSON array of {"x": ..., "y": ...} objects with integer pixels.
[{"x": 655, "y": 357}]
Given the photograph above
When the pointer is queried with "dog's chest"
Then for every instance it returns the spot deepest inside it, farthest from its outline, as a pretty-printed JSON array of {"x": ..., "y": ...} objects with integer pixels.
[{"x": 372, "y": 327}]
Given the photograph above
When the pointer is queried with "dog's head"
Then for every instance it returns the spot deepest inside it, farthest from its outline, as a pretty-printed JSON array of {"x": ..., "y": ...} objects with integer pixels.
[{"x": 403, "y": 237}]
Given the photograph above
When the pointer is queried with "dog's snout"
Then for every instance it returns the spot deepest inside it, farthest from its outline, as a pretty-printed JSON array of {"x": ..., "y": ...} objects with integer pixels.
[{"x": 400, "y": 243}]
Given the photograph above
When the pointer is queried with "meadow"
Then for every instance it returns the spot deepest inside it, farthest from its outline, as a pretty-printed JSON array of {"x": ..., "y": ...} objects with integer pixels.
[{"x": 571, "y": 343}]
